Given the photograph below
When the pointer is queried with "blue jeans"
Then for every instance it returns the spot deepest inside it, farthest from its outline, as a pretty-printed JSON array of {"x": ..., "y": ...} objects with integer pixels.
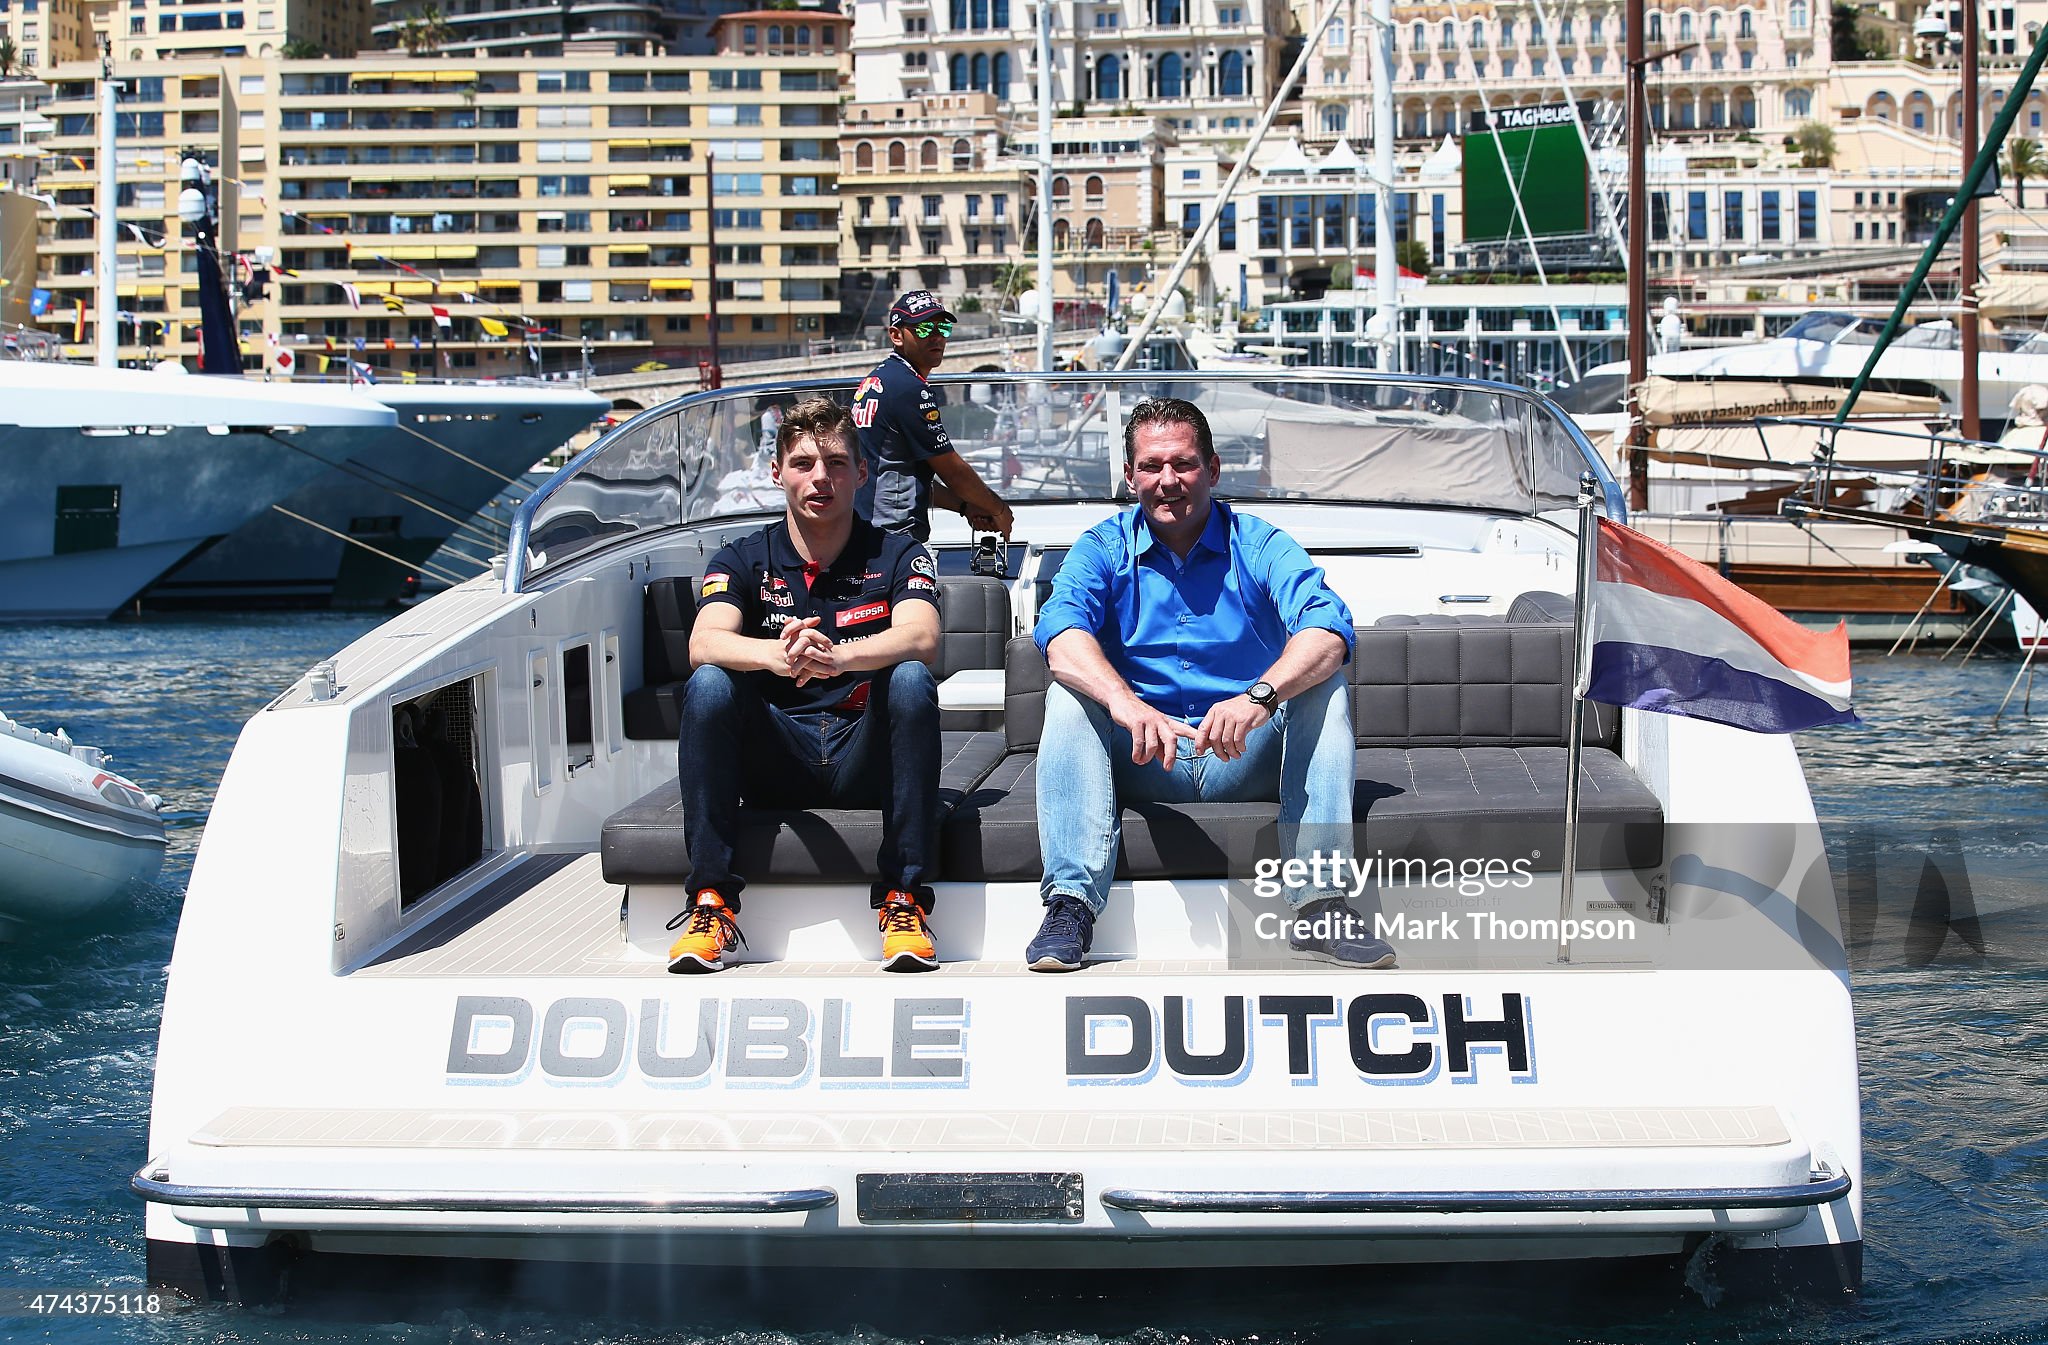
[
  {"x": 1302, "y": 758},
  {"x": 735, "y": 747}
]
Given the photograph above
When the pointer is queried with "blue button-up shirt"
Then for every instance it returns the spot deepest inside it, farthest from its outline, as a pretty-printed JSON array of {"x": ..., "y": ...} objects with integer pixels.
[{"x": 1187, "y": 634}]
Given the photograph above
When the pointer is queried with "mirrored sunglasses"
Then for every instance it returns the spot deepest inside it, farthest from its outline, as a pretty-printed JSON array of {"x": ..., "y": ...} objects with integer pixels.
[{"x": 923, "y": 330}]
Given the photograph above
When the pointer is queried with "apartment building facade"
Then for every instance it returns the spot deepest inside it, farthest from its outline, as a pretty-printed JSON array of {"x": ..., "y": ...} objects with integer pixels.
[
  {"x": 1206, "y": 66},
  {"x": 49, "y": 35},
  {"x": 471, "y": 218}
]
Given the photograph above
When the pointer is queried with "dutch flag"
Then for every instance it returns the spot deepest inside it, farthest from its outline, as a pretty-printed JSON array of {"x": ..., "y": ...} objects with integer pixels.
[{"x": 1671, "y": 636}]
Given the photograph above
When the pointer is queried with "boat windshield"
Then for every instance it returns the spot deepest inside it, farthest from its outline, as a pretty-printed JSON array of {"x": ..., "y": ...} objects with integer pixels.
[
  {"x": 1831, "y": 327},
  {"x": 1939, "y": 335},
  {"x": 1039, "y": 439}
]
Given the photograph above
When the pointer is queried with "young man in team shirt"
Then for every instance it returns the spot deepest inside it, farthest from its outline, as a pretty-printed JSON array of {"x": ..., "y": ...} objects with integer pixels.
[
  {"x": 897, "y": 411},
  {"x": 811, "y": 689}
]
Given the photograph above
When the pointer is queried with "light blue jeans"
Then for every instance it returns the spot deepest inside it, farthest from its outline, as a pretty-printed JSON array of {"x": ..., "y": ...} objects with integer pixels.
[{"x": 1302, "y": 758}]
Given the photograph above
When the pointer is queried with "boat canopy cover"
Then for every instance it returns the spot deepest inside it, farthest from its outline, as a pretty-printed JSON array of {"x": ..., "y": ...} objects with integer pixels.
[{"x": 1671, "y": 401}]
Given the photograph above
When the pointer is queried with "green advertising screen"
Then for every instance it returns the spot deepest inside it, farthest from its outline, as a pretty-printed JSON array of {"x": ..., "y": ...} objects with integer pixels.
[{"x": 1547, "y": 165}]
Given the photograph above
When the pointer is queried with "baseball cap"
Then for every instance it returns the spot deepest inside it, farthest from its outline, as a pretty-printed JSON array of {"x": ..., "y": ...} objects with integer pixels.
[{"x": 918, "y": 306}]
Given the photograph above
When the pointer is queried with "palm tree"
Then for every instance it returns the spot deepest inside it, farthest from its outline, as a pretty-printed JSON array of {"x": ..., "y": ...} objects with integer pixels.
[
  {"x": 2024, "y": 159},
  {"x": 1816, "y": 145},
  {"x": 8, "y": 56},
  {"x": 302, "y": 49},
  {"x": 424, "y": 32}
]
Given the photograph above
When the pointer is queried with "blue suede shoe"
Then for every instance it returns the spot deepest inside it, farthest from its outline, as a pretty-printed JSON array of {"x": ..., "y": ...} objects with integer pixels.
[
  {"x": 1063, "y": 938},
  {"x": 1336, "y": 933}
]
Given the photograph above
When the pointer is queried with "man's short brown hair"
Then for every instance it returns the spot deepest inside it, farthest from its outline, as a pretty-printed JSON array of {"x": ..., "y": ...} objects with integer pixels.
[
  {"x": 1167, "y": 411},
  {"x": 816, "y": 417}
]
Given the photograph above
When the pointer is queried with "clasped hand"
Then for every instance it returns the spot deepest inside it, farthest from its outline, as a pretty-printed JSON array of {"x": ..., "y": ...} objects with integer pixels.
[
  {"x": 807, "y": 653},
  {"x": 1223, "y": 730}
]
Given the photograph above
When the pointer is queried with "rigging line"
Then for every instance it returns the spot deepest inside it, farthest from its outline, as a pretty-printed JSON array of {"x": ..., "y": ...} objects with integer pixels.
[
  {"x": 1515, "y": 189},
  {"x": 462, "y": 457},
  {"x": 361, "y": 474},
  {"x": 1987, "y": 616},
  {"x": 1913, "y": 626},
  {"x": 2026, "y": 664},
  {"x": 1606, "y": 198},
  {"x": 445, "y": 576},
  {"x": 2011, "y": 596}
]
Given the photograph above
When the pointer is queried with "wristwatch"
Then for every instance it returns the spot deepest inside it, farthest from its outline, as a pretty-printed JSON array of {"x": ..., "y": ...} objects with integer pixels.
[{"x": 1262, "y": 695}]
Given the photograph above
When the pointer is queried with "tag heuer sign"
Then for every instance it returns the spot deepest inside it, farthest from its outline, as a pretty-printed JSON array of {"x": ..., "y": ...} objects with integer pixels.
[{"x": 1528, "y": 118}]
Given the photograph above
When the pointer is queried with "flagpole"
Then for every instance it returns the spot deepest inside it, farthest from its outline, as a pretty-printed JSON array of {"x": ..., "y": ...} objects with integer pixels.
[{"x": 1582, "y": 665}]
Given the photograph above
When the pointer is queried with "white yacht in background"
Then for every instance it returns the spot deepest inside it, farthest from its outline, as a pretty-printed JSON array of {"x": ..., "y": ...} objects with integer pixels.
[
  {"x": 110, "y": 477},
  {"x": 365, "y": 532},
  {"x": 418, "y": 1004},
  {"x": 1827, "y": 348}
]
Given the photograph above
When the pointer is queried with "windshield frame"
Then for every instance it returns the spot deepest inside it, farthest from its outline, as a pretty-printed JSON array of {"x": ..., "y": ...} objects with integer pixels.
[{"x": 520, "y": 570}]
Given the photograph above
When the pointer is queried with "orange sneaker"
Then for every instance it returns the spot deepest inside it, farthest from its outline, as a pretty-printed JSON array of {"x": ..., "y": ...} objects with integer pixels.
[
  {"x": 906, "y": 937},
  {"x": 708, "y": 932}
]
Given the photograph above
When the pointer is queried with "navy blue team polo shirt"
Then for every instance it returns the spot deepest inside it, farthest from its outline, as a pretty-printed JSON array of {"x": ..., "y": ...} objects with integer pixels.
[
  {"x": 897, "y": 414},
  {"x": 854, "y": 597}
]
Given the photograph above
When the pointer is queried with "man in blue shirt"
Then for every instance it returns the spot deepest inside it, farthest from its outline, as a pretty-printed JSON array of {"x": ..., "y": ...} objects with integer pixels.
[
  {"x": 1187, "y": 634},
  {"x": 897, "y": 412}
]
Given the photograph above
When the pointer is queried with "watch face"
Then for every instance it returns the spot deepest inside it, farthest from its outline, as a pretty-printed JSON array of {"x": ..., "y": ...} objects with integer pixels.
[{"x": 1261, "y": 693}]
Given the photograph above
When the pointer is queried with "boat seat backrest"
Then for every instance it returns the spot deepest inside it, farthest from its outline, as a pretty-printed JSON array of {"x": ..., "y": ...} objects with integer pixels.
[
  {"x": 1466, "y": 685},
  {"x": 974, "y": 620},
  {"x": 668, "y": 609},
  {"x": 1505, "y": 685},
  {"x": 974, "y": 623}
]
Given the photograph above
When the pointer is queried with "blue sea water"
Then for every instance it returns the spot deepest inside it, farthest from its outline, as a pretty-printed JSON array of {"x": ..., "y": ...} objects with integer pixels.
[{"x": 1953, "y": 1041}]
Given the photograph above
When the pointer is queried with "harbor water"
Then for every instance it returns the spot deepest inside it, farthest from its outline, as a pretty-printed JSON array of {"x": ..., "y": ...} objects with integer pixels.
[{"x": 1935, "y": 814}]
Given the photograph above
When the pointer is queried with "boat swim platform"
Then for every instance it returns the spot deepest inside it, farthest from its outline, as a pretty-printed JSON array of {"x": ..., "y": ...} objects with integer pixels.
[{"x": 554, "y": 915}]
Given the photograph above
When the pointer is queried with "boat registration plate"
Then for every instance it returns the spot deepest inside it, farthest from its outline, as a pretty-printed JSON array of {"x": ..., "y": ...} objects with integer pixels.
[{"x": 968, "y": 1197}]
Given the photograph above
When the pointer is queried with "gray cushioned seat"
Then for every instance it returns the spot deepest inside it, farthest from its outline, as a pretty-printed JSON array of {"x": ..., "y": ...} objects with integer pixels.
[
  {"x": 1460, "y": 734},
  {"x": 643, "y": 842}
]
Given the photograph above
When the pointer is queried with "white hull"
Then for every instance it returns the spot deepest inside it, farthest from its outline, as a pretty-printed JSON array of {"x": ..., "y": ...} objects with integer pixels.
[
  {"x": 157, "y": 465},
  {"x": 502, "y": 1068},
  {"x": 72, "y": 835},
  {"x": 403, "y": 491}
]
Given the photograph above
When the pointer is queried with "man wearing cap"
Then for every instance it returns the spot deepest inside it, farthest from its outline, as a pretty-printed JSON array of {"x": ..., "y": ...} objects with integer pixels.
[{"x": 897, "y": 413}]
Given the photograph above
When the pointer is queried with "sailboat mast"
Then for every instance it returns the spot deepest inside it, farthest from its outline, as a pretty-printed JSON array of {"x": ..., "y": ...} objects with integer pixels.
[
  {"x": 108, "y": 329},
  {"x": 1638, "y": 256},
  {"x": 1045, "y": 308},
  {"x": 1967, "y": 292},
  {"x": 1386, "y": 263}
]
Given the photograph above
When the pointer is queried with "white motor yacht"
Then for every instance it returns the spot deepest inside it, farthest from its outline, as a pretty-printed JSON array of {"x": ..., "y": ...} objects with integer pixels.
[
  {"x": 419, "y": 1007},
  {"x": 114, "y": 476}
]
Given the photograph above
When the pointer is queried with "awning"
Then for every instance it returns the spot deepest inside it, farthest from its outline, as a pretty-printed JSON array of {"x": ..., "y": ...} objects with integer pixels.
[
  {"x": 454, "y": 252},
  {"x": 458, "y": 287},
  {"x": 149, "y": 291},
  {"x": 665, "y": 144},
  {"x": 379, "y": 76},
  {"x": 620, "y": 249},
  {"x": 372, "y": 286},
  {"x": 455, "y": 77},
  {"x": 627, "y": 144},
  {"x": 412, "y": 252},
  {"x": 628, "y": 179},
  {"x": 2015, "y": 294},
  {"x": 672, "y": 284},
  {"x": 1668, "y": 401},
  {"x": 413, "y": 287}
]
